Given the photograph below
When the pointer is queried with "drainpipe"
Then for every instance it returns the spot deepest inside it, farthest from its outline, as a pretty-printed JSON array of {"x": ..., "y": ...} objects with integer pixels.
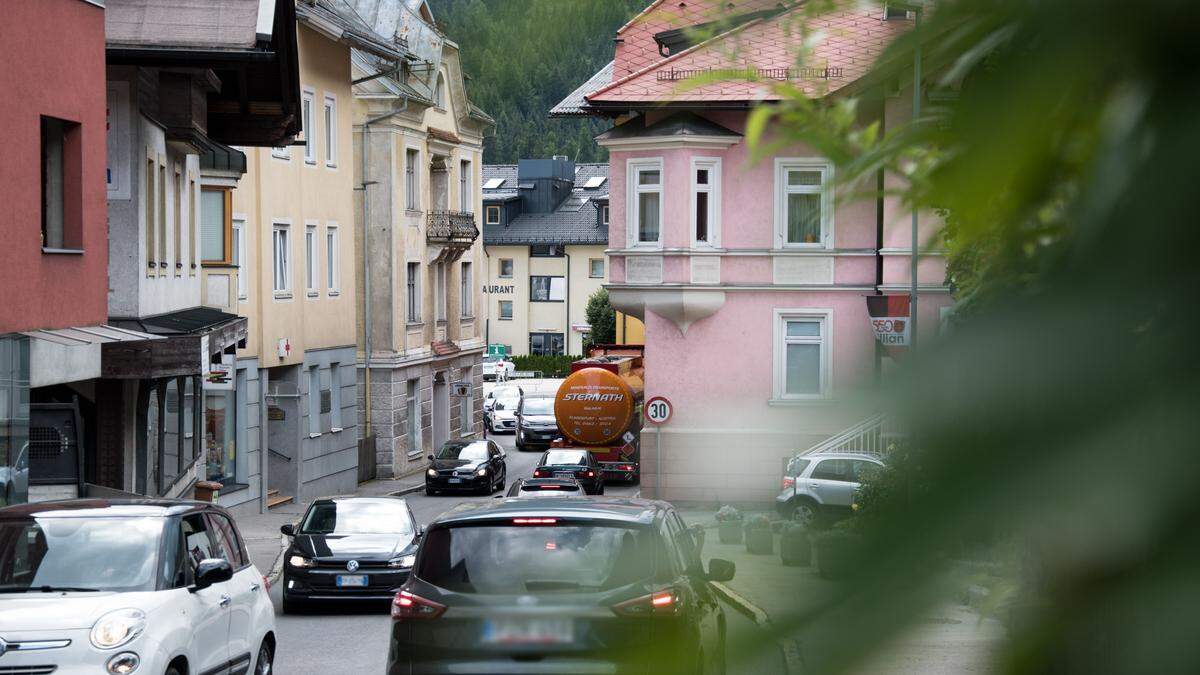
[
  {"x": 916, "y": 113},
  {"x": 567, "y": 333}
]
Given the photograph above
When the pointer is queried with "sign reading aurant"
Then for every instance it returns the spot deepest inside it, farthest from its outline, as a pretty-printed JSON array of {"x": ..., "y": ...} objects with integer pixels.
[{"x": 889, "y": 319}]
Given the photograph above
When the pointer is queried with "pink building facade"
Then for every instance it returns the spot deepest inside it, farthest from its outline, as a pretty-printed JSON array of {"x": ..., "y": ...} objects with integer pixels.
[{"x": 749, "y": 272}]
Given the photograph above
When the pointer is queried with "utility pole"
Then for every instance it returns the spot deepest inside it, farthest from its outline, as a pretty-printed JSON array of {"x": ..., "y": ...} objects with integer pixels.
[{"x": 916, "y": 114}]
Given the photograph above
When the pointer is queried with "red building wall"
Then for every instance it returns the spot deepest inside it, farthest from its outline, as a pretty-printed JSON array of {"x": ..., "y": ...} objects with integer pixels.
[{"x": 53, "y": 56}]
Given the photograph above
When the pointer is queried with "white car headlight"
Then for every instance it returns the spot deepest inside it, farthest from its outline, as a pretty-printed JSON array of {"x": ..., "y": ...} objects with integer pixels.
[
  {"x": 301, "y": 561},
  {"x": 117, "y": 628},
  {"x": 432, "y": 473},
  {"x": 404, "y": 561},
  {"x": 481, "y": 472}
]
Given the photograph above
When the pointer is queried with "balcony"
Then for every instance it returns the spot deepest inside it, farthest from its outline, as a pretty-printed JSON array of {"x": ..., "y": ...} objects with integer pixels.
[{"x": 452, "y": 229}]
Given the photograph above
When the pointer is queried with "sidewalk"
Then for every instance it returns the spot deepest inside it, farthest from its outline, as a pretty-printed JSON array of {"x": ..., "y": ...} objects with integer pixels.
[
  {"x": 266, "y": 544},
  {"x": 954, "y": 639}
]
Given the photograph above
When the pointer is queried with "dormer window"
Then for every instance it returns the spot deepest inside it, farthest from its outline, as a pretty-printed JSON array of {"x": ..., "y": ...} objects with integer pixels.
[{"x": 491, "y": 215}]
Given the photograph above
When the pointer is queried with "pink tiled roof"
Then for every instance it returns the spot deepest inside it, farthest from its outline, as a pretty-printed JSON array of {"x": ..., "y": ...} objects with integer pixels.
[{"x": 852, "y": 40}]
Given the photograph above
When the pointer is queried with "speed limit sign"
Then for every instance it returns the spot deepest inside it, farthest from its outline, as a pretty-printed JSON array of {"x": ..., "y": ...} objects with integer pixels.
[{"x": 658, "y": 410}]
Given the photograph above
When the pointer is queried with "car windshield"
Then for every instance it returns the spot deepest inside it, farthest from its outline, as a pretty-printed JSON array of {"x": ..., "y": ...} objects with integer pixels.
[
  {"x": 538, "y": 406},
  {"x": 560, "y": 457},
  {"x": 495, "y": 559},
  {"x": 507, "y": 393},
  {"x": 357, "y": 516},
  {"x": 465, "y": 451},
  {"x": 77, "y": 553},
  {"x": 507, "y": 403}
]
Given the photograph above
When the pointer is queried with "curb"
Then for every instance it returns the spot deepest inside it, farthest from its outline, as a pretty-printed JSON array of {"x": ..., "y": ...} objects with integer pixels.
[
  {"x": 790, "y": 649},
  {"x": 277, "y": 566},
  {"x": 407, "y": 491}
]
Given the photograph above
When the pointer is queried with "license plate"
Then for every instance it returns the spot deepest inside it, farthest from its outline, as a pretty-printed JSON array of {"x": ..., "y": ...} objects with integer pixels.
[
  {"x": 527, "y": 631},
  {"x": 351, "y": 580},
  {"x": 563, "y": 474},
  {"x": 455, "y": 480}
]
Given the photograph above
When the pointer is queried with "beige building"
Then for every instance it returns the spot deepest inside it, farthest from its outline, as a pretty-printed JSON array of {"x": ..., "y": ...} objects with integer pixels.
[
  {"x": 420, "y": 144},
  {"x": 288, "y": 266},
  {"x": 545, "y": 231}
]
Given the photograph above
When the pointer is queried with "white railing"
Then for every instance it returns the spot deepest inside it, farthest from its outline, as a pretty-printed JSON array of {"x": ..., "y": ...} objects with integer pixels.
[{"x": 869, "y": 437}]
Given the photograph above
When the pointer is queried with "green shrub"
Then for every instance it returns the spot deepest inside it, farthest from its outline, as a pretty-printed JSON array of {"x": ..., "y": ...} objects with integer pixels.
[{"x": 549, "y": 366}]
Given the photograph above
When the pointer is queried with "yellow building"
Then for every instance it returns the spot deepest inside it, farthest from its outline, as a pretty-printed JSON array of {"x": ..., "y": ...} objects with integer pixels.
[{"x": 630, "y": 330}]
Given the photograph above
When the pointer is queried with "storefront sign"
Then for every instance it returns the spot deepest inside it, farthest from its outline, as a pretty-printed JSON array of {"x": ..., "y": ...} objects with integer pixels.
[
  {"x": 275, "y": 413},
  {"x": 460, "y": 389},
  {"x": 502, "y": 290},
  {"x": 889, "y": 319},
  {"x": 220, "y": 376}
]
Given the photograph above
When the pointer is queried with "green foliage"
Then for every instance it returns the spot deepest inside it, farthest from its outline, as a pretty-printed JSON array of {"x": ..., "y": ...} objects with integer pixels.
[
  {"x": 728, "y": 513},
  {"x": 525, "y": 56},
  {"x": 602, "y": 318},
  {"x": 549, "y": 366}
]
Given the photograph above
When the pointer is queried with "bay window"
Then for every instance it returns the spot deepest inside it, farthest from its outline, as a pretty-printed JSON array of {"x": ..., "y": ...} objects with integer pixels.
[
  {"x": 706, "y": 201},
  {"x": 645, "y": 202}
]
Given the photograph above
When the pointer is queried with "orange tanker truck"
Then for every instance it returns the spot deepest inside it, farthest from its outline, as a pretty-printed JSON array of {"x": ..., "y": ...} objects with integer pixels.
[{"x": 599, "y": 408}]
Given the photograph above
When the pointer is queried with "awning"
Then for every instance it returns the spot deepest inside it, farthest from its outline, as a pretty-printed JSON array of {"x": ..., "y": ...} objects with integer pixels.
[
  {"x": 61, "y": 355},
  {"x": 193, "y": 337}
]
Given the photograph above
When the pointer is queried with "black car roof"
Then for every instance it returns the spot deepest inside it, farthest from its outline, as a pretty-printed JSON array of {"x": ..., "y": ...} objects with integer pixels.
[
  {"x": 106, "y": 508},
  {"x": 615, "y": 509}
]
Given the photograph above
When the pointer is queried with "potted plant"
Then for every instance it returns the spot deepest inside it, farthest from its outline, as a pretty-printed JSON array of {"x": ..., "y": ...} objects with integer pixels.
[
  {"x": 836, "y": 551},
  {"x": 759, "y": 538},
  {"x": 729, "y": 525},
  {"x": 795, "y": 548}
]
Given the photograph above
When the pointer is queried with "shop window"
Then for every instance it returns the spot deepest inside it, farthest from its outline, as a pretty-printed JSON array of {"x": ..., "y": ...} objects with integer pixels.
[
  {"x": 220, "y": 429},
  {"x": 546, "y": 344}
]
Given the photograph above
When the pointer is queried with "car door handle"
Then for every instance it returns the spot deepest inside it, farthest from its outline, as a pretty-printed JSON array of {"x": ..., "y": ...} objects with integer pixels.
[
  {"x": 814, "y": 486},
  {"x": 254, "y": 587},
  {"x": 225, "y": 600}
]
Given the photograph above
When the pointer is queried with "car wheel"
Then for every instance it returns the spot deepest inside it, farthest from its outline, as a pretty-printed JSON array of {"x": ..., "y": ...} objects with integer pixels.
[
  {"x": 262, "y": 666},
  {"x": 520, "y": 446},
  {"x": 805, "y": 513},
  {"x": 503, "y": 479}
]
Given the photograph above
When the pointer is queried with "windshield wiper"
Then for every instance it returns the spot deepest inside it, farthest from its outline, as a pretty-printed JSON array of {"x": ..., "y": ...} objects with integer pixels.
[{"x": 47, "y": 589}]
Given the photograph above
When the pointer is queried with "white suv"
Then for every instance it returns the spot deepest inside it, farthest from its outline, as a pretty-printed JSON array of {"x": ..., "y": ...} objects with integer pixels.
[
  {"x": 822, "y": 485},
  {"x": 130, "y": 587}
]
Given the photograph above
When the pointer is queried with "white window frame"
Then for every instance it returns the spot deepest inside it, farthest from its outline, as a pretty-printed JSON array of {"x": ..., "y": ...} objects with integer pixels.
[
  {"x": 333, "y": 268},
  {"x": 329, "y": 117},
  {"x": 713, "y": 189},
  {"x": 440, "y": 292},
  {"x": 466, "y": 270},
  {"x": 782, "y": 166},
  {"x": 284, "y": 153},
  {"x": 412, "y": 179},
  {"x": 825, "y": 340},
  {"x": 633, "y": 168},
  {"x": 310, "y": 136},
  {"x": 512, "y": 268},
  {"x": 412, "y": 272},
  {"x": 281, "y": 268},
  {"x": 604, "y": 214},
  {"x": 487, "y": 215},
  {"x": 590, "y": 270},
  {"x": 465, "y": 198},
  {"x": 439, "y": 93},
  {"x": 311, "y": 268},
  {"x": 500, "y": 310},
  {"x": 240, "y": 256}
]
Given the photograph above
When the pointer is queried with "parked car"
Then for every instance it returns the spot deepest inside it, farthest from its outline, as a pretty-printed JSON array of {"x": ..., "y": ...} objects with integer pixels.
[
  {"x": 536, "y": 425},
  {"x": 473, "y": 466},
  {"x": 14, "y": 480},
  {"x": 497, "y": 368},
  {"x": 503, "y": 415},
  {"x": 821, "y": 485},
  {"x": 572, "y": 463},
  {"x": 348, "y": 549},
  {"x": 560, "y": 585},
  {"x": 545, "y": 487},
  {"x": 499, "y": 392},
  {"x": 133, "y": 585}
]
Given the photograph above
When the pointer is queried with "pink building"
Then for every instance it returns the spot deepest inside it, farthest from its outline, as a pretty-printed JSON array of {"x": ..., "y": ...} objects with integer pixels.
[{"x": 750, "y": 273}]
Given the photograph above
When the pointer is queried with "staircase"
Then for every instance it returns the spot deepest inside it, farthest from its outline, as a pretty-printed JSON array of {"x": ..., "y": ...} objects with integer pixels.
[
  {"x": 275, "y": 499},
  {"x": 869, "y": 437}
]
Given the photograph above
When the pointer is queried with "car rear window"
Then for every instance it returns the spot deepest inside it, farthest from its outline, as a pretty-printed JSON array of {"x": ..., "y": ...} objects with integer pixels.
[
  {"x": 560, "y": 457},
  {"x": 502, "y": 559},
  {"x": 797, "y": 466},
  {"x": 549, "y": 488}
]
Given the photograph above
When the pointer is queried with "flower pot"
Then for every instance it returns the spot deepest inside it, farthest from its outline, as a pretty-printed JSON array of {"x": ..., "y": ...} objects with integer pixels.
[
  {"x": 795, "y": 549},
  {"x": 760, "y": 541},
  {"x": 729, "y": 532},
  {"x": 835, "y": 554}
]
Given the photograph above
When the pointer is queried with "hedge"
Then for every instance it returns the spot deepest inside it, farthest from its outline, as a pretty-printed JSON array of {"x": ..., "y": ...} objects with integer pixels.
[{"x": 550, "y": 366}]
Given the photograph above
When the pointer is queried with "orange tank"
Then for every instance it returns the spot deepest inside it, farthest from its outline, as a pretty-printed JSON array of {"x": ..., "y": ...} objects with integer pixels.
[{"x": 600, "y": 400}]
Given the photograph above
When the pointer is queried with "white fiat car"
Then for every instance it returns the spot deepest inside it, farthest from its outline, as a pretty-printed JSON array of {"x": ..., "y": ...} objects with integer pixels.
[{"x": 161, "y": 587}]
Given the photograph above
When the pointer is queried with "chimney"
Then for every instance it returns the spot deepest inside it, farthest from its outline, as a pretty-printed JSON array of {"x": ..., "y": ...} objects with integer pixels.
[{"x": 545, "y": 183}]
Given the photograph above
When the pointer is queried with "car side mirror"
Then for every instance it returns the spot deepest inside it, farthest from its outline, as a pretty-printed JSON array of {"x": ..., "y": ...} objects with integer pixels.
[
  {"x": 211, "y": 571},
  {"x": 288, "y": 529},
  {"x": 429, "y": 457},
  {"x": 503, "y": 455},
  {"x": 720, "y": 570}
]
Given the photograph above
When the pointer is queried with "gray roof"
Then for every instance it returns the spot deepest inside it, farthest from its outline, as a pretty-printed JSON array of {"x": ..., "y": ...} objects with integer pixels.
[
  {"x": 573, "y": 104},
  {"x": 204, "y": 24},
  {"x": 679, "y": 124},
  {"x": 354, "y": 31},
  {"x": 563, "y": 226}
]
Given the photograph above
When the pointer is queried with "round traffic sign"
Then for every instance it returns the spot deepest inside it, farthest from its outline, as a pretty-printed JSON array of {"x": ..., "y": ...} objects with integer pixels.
[{"x": 658, "y": 410}]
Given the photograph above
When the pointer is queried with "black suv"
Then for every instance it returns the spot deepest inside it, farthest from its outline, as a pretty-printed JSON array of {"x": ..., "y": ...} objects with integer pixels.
[{"x": 560, "y": 585}]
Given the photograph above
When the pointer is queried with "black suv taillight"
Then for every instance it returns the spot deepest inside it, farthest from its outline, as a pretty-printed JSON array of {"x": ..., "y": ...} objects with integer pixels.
[
  {"x": 407, "y": 606},
  {"x": 658, "y": 603}
]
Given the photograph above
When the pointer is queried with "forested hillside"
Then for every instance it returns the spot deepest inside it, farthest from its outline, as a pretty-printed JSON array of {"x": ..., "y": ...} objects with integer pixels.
[{"x": 524, "y": 56}]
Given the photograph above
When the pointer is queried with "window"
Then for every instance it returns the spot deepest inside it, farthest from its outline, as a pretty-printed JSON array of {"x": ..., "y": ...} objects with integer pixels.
[
  {"x": 796, "y": 467},
  {"x": 413, "y": 416},
  {"x": 506, "y": 268},
  {"x": 161, "y": 235},
  {"x": 148, "y": 211},
  {"x": 240, "y": 259},
  {"x": 411, "y": 175},
  {"x": 220, "y": 430},
  {"x": 834, "y": 469},
  {"x": 54, "y": 176},
  {"x": 464, "y": 187},
  {"x": 193, "y": 222},
  {"x": 282, "y": 258},
  {"x": 546, "y": 344},
  {"x": 331, "y": 258},
  {"x": 439, "y": 96},
  {"x": 491, "y": 215},
  {"x": 310, "y": 131},
  {"x": 330, "y": 131},
  {"x": 645, "y": 202},
  {"x": 310, "y": 259},
  {"x": 439, "y": 287},
  {"x": 314, "y": 402},
  {"x": 546, "y": 251},
  {"x": 596, "y": 268},
  {"x": 604, "y": 214},
  {"x": 465, "y": 290},
  {"x": 413, "y": 296},
  {"x": 804, "y": 203},
  {"x": 547, "y": 289},
  {"x": 506, "y": 310},
  {"x": 335, "y": 397},
  {"x": 802, "y": 354},
  {"x": 216, "y": 226},
  {"x": 228, "y": 541},
  {"x": 177, "y": 202},
  {"x": 706, "y": 201}
]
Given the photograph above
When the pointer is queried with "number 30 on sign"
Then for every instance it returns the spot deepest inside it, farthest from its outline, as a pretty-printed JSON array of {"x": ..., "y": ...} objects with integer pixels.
[{"x": 658, "y": 410}]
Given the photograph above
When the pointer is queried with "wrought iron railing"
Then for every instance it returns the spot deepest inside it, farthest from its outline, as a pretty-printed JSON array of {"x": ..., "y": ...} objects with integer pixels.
[{"x": 451, "y": 228}]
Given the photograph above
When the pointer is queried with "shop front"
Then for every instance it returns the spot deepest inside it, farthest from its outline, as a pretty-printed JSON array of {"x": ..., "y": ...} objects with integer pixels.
[{"x": 14, "y": 419}]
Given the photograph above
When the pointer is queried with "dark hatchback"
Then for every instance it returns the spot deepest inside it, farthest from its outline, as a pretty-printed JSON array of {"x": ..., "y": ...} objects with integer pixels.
[
  {"x": 348, "y": 548},
  {"x": 470, "y": 466},
  {"x": 559, "y": 586},
  {"x": 572, "y": 463}
]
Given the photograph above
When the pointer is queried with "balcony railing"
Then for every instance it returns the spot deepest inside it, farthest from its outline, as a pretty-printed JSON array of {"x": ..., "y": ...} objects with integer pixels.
[{"x": 451, "y": 228}]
